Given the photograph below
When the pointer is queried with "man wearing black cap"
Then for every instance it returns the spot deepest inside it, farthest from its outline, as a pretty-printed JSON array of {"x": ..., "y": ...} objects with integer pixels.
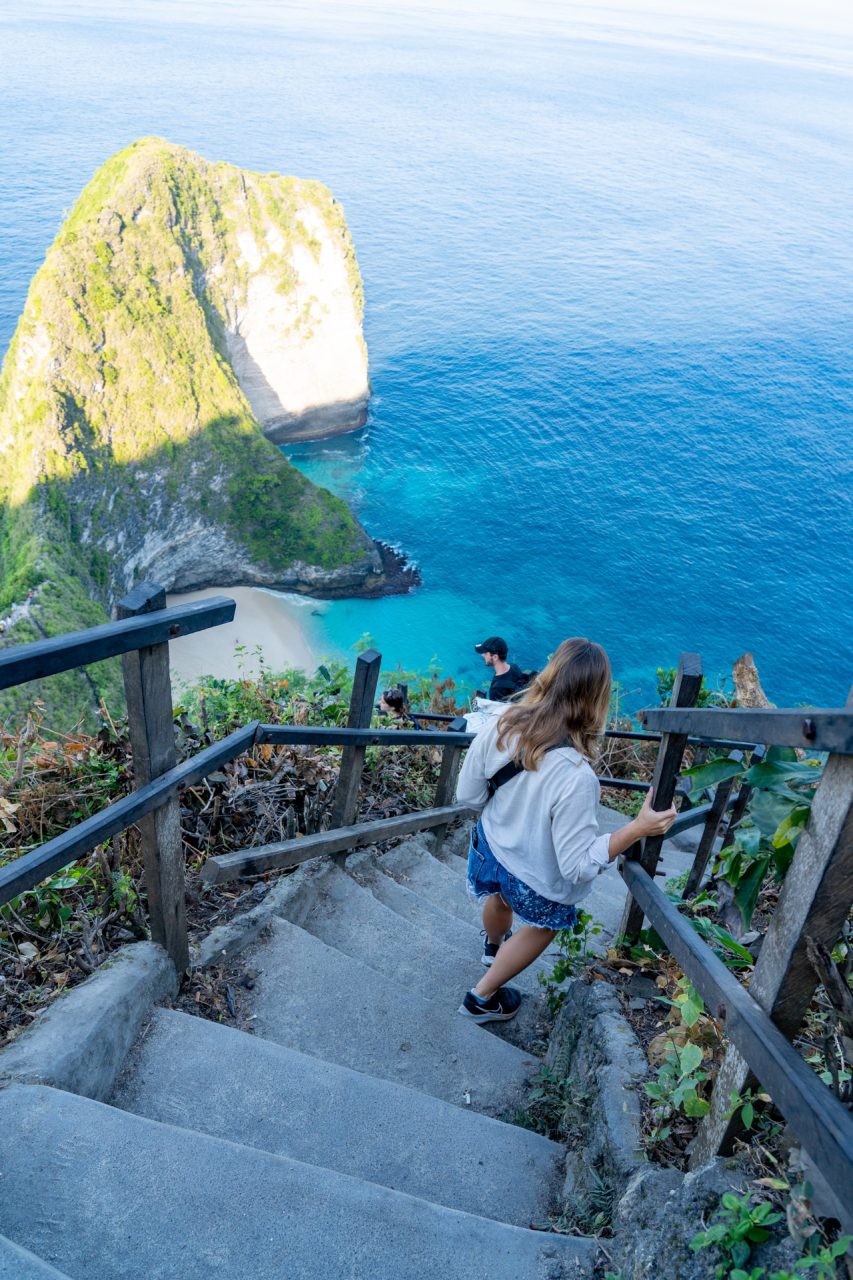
[{"x": 508, "y": 678}]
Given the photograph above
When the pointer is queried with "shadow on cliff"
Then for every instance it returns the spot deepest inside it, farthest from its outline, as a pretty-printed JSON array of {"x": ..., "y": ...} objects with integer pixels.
[
  {"x": 281, "y": 425},
  {"x": 227, "y": 480}
]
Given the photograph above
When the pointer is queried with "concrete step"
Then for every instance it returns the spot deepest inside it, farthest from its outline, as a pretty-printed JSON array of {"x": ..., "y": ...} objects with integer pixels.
[
  {"x": 413, "y": 866},
  {"x": 199, "y": 1075},
  {"x": 347, "y": 916},
  {"x": 419, "y": 908},
  {"x": 443, "y": 882},
  {"x": 200, "y": 1208},
  {"x": 417, "y": 905},
  {"x": 456, "y": 840},
  {"x": 313, "y": 998},
  {"x": 19, "y": 1264}
]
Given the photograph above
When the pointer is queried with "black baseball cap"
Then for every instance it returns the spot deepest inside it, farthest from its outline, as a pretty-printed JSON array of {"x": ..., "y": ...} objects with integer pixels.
[{"x": 494, "y": 644}]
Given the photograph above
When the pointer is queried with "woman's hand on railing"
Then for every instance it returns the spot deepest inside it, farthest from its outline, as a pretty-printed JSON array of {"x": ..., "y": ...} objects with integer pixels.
[
  {"x": 653, "y": 822},
  {"x": 648, "y": 822}
]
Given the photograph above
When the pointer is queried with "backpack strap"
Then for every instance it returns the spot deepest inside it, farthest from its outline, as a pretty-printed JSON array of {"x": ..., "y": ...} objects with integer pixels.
[{"x": 511, "y": 769}]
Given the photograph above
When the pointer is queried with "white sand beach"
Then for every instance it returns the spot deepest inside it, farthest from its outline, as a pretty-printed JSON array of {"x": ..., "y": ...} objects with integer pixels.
[{"x": 272, "y": 623}]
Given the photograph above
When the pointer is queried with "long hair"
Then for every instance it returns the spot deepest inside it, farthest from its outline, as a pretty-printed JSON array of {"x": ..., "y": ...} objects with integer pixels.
[
  {"x": 395, "y": 700},
  {"x": 569, "y": 698}
]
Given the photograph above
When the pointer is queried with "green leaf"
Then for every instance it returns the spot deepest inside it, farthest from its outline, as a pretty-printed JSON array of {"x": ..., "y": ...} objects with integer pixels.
[
  {"x": 783, "y": 856},
  {"x": 740, "y": 1252},
  {"x": 766, "y": 774},
  {"x": 689, "y": 1058},
  {"x": 726, "y": 940},
  {"x": 777, "y": 754},
  {"x": 767, "y": 809},
  {"x": 690, "y": 1011},
  {"x": 749, "y": 840},
  {"x": 694, "y": 1105},
  {"x": 747, "y": 1114},
  {"x": 746, "y": 892},
  {"x": 708, "y": 775},
  {"x": 793, "y": 822}
]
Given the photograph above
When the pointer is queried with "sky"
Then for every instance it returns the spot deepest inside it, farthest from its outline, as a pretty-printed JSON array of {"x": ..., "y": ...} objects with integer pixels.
[{"x": 817, "y": 16}]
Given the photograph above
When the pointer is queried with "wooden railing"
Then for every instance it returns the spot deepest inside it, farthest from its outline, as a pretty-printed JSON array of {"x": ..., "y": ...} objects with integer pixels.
[
  {"x": 141, "y": 636},
  {"x": 760, "y": 1023},
  {"x": 813, "y": 905}
]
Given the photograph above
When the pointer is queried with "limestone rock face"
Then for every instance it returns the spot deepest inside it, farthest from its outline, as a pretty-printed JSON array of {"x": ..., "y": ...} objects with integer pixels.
[
  {"x": 298, "y": 352},
  {"x": 747, "y": 684},
  {"x": 185, "y": 309}
]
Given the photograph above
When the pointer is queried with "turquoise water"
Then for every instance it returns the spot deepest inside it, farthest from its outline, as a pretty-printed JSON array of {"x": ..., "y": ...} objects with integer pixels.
[{"x": 609, "y": 286}]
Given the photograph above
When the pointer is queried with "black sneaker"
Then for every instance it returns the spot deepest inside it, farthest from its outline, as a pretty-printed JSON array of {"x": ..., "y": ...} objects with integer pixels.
[
  {"x": 490, "y": 949},
  {"x": 500, "y": 1007}
]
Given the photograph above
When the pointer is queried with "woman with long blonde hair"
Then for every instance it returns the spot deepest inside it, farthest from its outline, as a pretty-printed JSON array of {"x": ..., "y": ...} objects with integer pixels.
[{"x": 536, "y": 848}]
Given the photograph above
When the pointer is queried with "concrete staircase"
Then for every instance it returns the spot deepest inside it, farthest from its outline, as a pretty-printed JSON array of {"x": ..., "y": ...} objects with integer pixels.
[{"x": 363, "y": 1132}]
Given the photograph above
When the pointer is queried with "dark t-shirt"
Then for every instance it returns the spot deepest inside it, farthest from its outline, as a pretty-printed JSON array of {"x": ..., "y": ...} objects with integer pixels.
[{"x": 503, "y": 687}]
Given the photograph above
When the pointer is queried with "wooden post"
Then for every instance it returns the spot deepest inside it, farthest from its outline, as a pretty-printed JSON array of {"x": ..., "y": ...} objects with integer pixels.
[
  {"x": 685, "y": 691},
  {"x": 345, "y": 804},
  {"x": 148, "y": 691},
  {"x": 445, "y": 791},
  {"x": 741, "y": 801},
  {"x": 709, "y": 834},
  {"x": 814, "y": 902}
]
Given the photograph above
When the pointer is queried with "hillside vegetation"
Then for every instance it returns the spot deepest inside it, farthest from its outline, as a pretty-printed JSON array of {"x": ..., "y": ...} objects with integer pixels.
[{"x": 127, "y": 447}]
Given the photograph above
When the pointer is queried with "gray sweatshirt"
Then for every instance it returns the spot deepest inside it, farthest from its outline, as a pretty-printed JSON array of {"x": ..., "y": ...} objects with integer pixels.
[{"x": 541, "y": 825}]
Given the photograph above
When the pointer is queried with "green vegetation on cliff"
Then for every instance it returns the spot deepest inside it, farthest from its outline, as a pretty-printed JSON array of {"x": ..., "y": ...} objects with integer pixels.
[{"x": 127, "y": 447}]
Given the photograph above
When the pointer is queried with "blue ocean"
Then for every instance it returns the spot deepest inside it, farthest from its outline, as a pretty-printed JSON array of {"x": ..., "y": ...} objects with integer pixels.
[{"x": 608, "y": 265}]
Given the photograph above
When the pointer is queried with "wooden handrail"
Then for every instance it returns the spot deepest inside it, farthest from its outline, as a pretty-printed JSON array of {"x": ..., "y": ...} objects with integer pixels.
[
  {"x": 639, "y": 736},
  {"x": 308, "y": 736},
  {"x": 31, "y": 868},
  {"x": 822, "y": 729},
  {"x": 24, "y": 662}
]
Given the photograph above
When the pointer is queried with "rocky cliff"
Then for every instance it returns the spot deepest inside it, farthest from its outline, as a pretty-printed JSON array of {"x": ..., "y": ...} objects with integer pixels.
[{"x": 185, "y": 309}]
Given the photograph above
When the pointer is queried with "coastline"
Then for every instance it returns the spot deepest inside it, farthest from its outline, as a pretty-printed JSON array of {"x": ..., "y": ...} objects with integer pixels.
[{"x": 263, "y": 620}]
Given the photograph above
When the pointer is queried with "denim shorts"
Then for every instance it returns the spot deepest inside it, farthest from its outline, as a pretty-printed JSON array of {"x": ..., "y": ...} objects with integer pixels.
[{"x": 486, "y": 876}]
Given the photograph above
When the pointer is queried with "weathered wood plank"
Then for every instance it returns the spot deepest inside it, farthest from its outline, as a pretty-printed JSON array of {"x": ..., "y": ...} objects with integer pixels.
[
  {"x": 639, "y": 736},
  {"x": 714, "y": 816},
  {"x": 825, "y": 729},
  {"x": 741, "y": 801},
  {"x": 25, "y": 662},
  {"x": 623, "y": 784},
  {"x": 291, "y": 853},
  {"x": 345, "y": 803},
  {"x": 310, "y": 737},
  {"x": 28, "y": 870},
  {"x": 148, "y": 690},
  {"x": 822, "y": 1124},
  {"x": 685, "y": 691},
  {"x": 445, "y": 791}
]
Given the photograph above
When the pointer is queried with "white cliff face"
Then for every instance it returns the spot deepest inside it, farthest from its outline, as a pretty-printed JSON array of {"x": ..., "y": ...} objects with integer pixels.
[{"x": 294, "y": 333}]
